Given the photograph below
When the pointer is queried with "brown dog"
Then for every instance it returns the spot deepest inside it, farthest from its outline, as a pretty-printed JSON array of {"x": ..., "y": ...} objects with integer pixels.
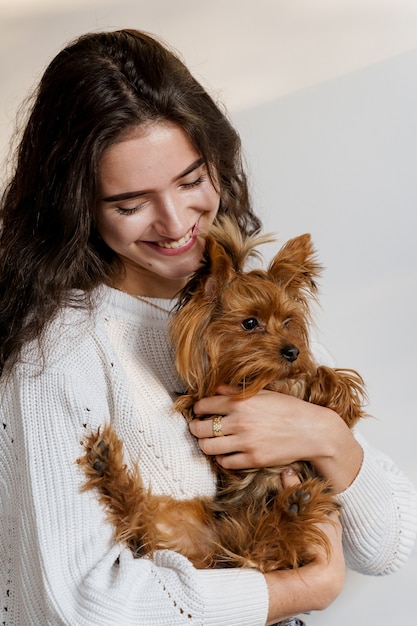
[{"x": 248, "y": 329}]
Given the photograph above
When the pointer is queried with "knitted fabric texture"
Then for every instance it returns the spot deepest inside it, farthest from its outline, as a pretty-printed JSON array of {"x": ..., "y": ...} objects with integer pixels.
[{"x": 60, "y": 565}]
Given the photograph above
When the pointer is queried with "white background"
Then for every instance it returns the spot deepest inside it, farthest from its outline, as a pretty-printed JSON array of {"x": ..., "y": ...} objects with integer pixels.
[{"x": 324, "y": 94}]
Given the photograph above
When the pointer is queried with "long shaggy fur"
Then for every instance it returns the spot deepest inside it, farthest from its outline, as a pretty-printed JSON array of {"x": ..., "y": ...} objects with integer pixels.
[{"x": 249, "y": 329}]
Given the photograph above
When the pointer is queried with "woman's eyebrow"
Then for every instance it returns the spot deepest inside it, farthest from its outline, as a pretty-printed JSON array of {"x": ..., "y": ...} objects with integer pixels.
[
  {"x": 135, "y": 194},
  {"x": 124, "y": 196},
  {"x": 191, "y": 168}
]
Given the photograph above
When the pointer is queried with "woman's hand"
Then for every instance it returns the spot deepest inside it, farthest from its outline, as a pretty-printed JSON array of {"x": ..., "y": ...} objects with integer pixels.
[
  {"x": 276, "y": 429},
  {"x": 312, "y": 587}
]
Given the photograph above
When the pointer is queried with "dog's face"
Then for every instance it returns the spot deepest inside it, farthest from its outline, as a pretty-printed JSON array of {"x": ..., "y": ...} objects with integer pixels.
[
  {"x": 257, "y": 332},
  {"x": 246, "y": 328}
]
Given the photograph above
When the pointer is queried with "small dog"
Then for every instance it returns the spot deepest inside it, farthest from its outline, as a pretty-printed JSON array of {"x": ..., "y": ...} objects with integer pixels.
[{"x": 250, "y": 330}]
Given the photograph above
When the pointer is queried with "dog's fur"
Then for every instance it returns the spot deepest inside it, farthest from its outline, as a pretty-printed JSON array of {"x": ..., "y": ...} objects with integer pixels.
[{"x": 248, "y": 329}]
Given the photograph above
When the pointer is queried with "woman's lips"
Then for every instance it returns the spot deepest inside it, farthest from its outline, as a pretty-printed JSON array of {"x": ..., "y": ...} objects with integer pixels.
[{"x": 172, "y": 247}]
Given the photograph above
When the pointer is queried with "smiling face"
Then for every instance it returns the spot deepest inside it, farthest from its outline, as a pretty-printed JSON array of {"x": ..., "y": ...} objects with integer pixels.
[{"x": 157, "y": 199}]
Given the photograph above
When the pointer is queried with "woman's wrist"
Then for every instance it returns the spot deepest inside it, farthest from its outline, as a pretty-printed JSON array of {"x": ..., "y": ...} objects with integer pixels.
[
  {"x": 292, "y": 592},
  {"x": 339, "y": 457}
]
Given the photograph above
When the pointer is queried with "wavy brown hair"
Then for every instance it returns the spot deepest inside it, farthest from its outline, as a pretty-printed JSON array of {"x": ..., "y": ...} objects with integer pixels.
[{"x": 92, "y": 93}]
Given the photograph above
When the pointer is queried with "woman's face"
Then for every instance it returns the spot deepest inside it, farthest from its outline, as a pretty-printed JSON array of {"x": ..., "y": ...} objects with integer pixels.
[{"x": 156, "y": 201}]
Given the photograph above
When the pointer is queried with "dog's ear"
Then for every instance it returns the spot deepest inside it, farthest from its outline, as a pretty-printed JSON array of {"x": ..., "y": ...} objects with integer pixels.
[
  {"x": 295, "y": 267},
  {"x": 239, "y": 245},
  {"x": 220, "y": 267}
]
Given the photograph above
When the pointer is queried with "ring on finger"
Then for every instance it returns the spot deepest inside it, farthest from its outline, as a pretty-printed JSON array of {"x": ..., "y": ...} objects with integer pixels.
[{"x": 217, "y": 426}]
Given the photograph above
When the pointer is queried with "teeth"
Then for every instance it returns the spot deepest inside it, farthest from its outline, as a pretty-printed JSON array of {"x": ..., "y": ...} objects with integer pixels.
[{"x": 176, "y": 244}]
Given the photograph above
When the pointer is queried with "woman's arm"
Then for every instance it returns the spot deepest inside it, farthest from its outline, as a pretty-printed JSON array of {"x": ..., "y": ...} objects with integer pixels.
[
  {"x": 63, "y": 565},
  {"x": 314, "y": 586},
  {"x": 379, "y": 515}
]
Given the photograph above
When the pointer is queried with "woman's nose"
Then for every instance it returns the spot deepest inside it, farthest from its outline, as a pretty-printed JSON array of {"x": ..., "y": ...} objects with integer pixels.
[{"x": 170, "y": 219}]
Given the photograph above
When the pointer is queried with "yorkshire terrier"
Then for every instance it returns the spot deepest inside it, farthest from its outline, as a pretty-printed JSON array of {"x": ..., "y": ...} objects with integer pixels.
[{"x": 248, "y": 329}]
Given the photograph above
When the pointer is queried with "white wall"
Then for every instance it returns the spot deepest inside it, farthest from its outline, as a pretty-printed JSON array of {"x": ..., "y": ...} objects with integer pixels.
[
  {"x": 339, "y": 160},
  {"x": 324, "y": 94}
]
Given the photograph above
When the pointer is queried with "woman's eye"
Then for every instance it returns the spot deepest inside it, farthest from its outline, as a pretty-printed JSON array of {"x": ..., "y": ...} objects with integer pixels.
[
  {"x": 194, "y": 183},
  {"x": 250, "y": 323},
  {"x": 135, "y": 209}
]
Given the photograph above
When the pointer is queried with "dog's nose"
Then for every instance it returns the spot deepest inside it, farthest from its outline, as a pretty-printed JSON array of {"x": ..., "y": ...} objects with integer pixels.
[{"x": 290, "y": 353}]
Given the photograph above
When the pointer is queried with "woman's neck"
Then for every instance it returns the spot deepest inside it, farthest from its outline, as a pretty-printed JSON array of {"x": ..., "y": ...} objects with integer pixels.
[{"x": 155, "y": 287}]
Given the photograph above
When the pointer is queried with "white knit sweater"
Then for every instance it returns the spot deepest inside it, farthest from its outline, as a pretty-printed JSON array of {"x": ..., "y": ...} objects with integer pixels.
[{"x": 59, "y": 563}]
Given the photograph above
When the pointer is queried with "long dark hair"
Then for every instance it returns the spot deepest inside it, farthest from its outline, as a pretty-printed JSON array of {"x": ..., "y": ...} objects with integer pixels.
[{"x": 91, "y": 94}]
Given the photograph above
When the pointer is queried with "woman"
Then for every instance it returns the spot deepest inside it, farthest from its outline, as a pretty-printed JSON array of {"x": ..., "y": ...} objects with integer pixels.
[{"x": 124, "y": 163}]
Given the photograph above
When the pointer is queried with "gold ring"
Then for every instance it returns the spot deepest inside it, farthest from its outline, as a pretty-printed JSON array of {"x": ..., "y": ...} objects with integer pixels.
[{"x": 217, "y": 426}]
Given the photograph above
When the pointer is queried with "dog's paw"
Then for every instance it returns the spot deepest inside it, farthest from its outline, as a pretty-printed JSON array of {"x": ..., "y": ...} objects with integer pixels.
[
  {"x": 312, "y": 499},
  {"x": 298, "y": 501},
  {"x": 99, "y": 455},
  {"x": 103, "y": 453}
]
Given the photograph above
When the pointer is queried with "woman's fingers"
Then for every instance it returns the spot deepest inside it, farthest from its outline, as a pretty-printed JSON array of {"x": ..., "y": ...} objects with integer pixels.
[
  {"x": 289, "y": 477},
  {"x": 214, "y": 440},
  {"x": 230, "y": 450},
  {"x": 212, "y": 405},
  {"x": 203, "y": 428}
]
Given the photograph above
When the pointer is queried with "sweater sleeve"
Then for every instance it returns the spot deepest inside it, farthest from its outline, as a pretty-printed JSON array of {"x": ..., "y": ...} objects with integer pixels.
[
  {"x": 63, "y": 567},
  {"x": 379, "y": 515}
]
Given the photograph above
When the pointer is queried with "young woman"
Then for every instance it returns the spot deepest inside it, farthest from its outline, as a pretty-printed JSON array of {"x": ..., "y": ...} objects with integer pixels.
[{"x": 123, "y": 164}]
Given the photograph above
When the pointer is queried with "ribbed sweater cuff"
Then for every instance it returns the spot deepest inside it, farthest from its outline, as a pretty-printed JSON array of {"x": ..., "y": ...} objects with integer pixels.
[
  {"x": 378, "y": 516},
  {"x": 239, "y": 596}
]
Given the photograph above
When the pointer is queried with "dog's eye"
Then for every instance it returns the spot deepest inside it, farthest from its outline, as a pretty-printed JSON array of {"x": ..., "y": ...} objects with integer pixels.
[
  {"x": 250, "y": 324},
  {"x": 286, "y": 322}
]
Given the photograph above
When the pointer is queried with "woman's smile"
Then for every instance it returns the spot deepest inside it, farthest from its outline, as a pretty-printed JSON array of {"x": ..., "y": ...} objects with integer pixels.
[{"x": 173, "y": 247}]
